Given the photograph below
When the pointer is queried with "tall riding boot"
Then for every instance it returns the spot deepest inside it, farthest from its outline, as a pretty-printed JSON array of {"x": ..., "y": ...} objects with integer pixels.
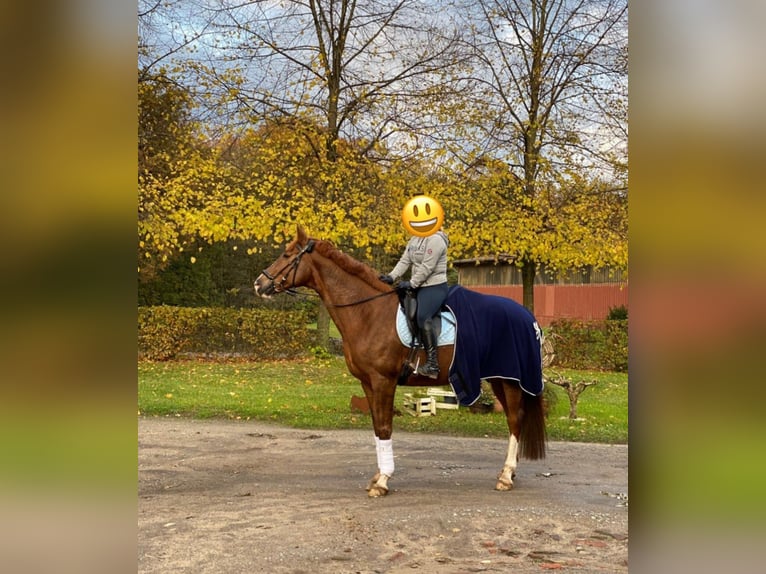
[{"x": 431, "y": 367}]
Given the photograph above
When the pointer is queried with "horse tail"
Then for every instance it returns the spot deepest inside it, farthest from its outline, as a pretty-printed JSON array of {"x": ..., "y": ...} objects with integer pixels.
[{"x": 532, "y": 435}]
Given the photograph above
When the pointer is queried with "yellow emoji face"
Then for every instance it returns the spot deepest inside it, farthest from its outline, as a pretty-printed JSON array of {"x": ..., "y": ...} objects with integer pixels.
[{"x": 422, "y": 216}]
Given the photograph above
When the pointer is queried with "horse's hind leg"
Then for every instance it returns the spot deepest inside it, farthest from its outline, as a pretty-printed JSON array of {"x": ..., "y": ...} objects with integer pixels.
[{"x": 509, "y": 395}]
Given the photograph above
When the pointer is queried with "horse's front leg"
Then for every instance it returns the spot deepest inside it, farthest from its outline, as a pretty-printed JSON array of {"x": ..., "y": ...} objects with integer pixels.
[
  {"x": 378, "y": 485},
  {"x": 380, "y": 395}
]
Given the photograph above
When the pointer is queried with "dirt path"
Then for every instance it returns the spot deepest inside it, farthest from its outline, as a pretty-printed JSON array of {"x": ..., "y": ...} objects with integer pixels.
[{"x": 235, "y": 497}]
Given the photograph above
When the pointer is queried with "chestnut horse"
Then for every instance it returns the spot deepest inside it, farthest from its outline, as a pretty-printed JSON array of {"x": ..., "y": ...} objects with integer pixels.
[{"x": 364, "y": 308}]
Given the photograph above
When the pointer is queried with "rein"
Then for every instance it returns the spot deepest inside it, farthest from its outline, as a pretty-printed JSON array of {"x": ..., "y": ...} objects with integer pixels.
[
  {"x": 363, "y": 300},
  {"x": 294, "y": 293}
]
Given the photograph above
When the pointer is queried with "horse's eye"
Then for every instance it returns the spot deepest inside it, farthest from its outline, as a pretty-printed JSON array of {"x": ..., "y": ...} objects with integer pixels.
[{"x": 285, "y": 256}]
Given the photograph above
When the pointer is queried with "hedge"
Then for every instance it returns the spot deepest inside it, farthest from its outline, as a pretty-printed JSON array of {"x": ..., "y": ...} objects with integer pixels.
[
  {"x": 167, "y": 332},
  {"x": 596, "y": 345}
]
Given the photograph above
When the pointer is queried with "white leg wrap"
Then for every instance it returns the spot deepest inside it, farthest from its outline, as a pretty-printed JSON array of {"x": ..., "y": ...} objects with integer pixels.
[
  {"x": 513, "y": 450},
  {"x": 505, "y": 478},
  {"x": 385, "y": 450},
  {"x": 512, "y": 456},
  {"x": 377, "y": 449}
]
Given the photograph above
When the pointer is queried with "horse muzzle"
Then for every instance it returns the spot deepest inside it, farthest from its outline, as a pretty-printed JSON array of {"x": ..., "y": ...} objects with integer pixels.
[{"x": 264, "y": 287}]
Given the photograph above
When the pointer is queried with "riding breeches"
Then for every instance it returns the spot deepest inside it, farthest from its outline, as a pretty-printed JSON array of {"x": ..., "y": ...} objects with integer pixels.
[{"x": 430, "y": 299}]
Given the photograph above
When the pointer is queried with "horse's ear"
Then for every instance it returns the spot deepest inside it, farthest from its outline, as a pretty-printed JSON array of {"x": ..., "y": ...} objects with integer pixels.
[{"x": 302, "y": 236}]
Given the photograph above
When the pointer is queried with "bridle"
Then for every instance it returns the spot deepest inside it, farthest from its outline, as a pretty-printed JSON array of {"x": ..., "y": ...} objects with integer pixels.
[{"x": 292, "y": 268}]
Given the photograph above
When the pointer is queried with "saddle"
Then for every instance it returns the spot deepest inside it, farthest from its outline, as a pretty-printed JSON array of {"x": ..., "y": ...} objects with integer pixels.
[{"x": 409, "y": 305}]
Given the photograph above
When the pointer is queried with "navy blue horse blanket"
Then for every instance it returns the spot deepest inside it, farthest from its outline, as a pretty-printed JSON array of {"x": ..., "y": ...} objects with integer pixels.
[{"x": 496, "y": 338}]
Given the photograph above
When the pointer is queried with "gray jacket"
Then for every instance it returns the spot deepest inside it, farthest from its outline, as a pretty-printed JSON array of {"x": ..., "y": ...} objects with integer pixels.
[{"x": 428, "y": 258}]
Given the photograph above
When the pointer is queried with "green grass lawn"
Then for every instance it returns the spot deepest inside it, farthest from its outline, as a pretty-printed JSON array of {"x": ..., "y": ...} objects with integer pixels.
[
  {"x": 602, "y": 409},
  {"x": 316, "y": 392}
]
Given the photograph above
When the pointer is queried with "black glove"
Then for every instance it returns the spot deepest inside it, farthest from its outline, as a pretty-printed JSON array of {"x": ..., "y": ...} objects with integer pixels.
[
  {"x": 386, "y": 279},
  {"x": 404, "y": 285}
]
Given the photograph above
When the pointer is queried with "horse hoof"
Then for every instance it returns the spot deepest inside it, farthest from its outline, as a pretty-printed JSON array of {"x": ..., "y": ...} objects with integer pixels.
[
  {"x": 373, "y": 481},
  {"x": 504, "y": 485},
  {"x": 377, "y": 491},
  {"x": 379, "y": 487}
]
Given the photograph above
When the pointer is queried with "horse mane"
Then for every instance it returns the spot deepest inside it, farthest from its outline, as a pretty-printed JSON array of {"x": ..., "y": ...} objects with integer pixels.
[{"x": 349, "y": 264}]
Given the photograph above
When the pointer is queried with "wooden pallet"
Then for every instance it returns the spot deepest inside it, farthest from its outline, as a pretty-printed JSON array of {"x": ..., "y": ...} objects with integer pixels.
[
  {"x": 444, "y": 399},
  {"x": 420, "y": 406}
]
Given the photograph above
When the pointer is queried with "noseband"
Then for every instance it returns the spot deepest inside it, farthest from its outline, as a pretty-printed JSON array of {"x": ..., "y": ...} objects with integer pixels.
[{"x": 292, "y": 267}]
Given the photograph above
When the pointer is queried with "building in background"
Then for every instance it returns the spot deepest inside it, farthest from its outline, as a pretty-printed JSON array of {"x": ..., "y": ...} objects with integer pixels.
[{"x": 586, "y": 293}]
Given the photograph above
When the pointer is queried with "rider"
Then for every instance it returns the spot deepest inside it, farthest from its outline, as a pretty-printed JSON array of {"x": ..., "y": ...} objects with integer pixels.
[{"x": 427, "y": 258}]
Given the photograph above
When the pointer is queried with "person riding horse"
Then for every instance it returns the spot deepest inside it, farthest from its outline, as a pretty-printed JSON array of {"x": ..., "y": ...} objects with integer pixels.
[
  {"x": 427, "y": 258},
  {"x": 507, "y": 354}
]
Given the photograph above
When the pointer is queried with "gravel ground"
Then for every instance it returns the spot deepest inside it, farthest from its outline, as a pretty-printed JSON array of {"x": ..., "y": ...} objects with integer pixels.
[{"x": 236, "y": 496}]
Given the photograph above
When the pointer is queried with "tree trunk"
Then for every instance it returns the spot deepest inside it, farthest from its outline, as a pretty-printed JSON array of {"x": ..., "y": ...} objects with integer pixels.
[
  {"x": 528, "y": 272},
  {"x": 323, "y": 328},
  {"x": 573, "y": 396}
]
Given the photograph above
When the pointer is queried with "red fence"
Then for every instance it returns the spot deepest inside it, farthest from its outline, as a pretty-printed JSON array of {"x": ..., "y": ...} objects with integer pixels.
[{"x": 565, "y": 301}]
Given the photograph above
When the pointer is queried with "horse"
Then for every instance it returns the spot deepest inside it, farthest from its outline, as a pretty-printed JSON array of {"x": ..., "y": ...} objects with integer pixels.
[{"x": 363, "y": 308}]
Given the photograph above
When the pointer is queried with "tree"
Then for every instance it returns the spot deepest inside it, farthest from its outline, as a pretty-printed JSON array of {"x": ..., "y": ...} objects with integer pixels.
[
  {"x": 573, "y": 390},
  {"x": 248, "y": 189},
  {"x": 188, "y": 193},
  {"x": 165, "y": 140},
  {"x": 358, "y": 71},
  {"x": 550, "y": 84},
  {"x": 332, "y": 114}
]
